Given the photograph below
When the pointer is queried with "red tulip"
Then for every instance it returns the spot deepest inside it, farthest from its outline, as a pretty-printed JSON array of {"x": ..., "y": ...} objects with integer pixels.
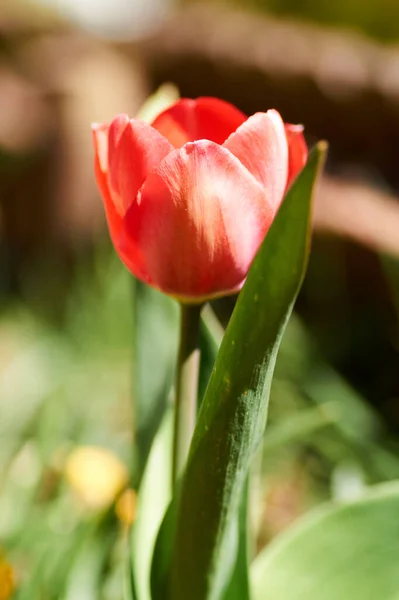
[{"x": 190, "y": 198}]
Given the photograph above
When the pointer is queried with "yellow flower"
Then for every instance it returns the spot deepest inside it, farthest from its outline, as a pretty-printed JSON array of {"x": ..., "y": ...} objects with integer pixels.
[
  {"x": 7, "y": 584},
  {"x": 126, "y": 507},
  {"x": 96, "y": 475}
]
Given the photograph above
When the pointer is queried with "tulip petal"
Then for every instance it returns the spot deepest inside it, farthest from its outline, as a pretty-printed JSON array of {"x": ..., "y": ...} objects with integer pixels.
[
  {"x": 115, "y": 132},
  {"x": 297, "y": 151},
  {"x": 261, "y": 146},
  {"x": 199, "y": 220},
  {"x": 100, "y": 140},
  {"x": 131, "y": 255},
  {"x": 201, "y": 119},
  {"x": 135, "y": 148}
]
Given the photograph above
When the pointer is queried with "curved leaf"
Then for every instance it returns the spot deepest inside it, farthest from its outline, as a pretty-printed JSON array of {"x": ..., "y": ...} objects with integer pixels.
[
  {"x": 349, "y": 551},
  {"x": 154, "y": 358},
  {"x": 155, "y": 488},
  {"x": 234, "y": 410},
  {"x": 238, "y": 586},
  {"x": 154, "y": 497}
]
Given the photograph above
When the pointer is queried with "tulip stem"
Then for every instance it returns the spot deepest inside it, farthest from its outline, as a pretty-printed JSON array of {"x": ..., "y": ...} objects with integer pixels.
[{"x": 186, "y": 387}]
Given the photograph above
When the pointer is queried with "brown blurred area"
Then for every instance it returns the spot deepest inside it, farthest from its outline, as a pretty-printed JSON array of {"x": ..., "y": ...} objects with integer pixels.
[{"x": 55, "y": 80}]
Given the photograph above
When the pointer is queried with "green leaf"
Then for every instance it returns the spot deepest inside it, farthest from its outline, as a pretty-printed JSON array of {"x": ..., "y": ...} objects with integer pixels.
[
  {"x": 211, "y": 333},
  {"x": 155, "y": 347},
  {"x": 238, "y": 587},
  {"x": 233, "y": 414},
  {"x": 160, "y": 568},
  {"x": 349, "y": 551},
  {"x": 155, "y": 488},
  {"x": 154, "y": 497}
]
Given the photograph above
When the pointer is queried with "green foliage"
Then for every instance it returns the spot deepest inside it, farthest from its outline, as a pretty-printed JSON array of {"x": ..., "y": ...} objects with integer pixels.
[
  {"x": 155, "y": 495},
  {"x": 154, "y": 357},
  {"x": 234, "y": 411},
  {"x": 64, "y": 387},
  {"x": 347, "y": 551},
  {"x": 238, "y": 586}
]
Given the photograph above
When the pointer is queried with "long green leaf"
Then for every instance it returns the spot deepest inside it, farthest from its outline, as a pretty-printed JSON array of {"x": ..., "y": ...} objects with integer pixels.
[
  {"x": 349, "y": 551},
  {"x": 154, "y": 497},
  {"x": 155, "y": 488},
  {"x": 234, "y": 411},
  {"x": 238, "y": 586},
  {"x": 155, "y": 347}
]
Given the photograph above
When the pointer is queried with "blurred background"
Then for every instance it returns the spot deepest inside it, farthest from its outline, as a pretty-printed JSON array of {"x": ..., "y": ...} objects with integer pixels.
[{"x": 68, "y": 479}]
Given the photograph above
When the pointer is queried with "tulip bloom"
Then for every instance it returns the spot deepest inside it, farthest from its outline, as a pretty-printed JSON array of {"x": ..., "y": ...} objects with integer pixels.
[{"x": 190, "y": 198}]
